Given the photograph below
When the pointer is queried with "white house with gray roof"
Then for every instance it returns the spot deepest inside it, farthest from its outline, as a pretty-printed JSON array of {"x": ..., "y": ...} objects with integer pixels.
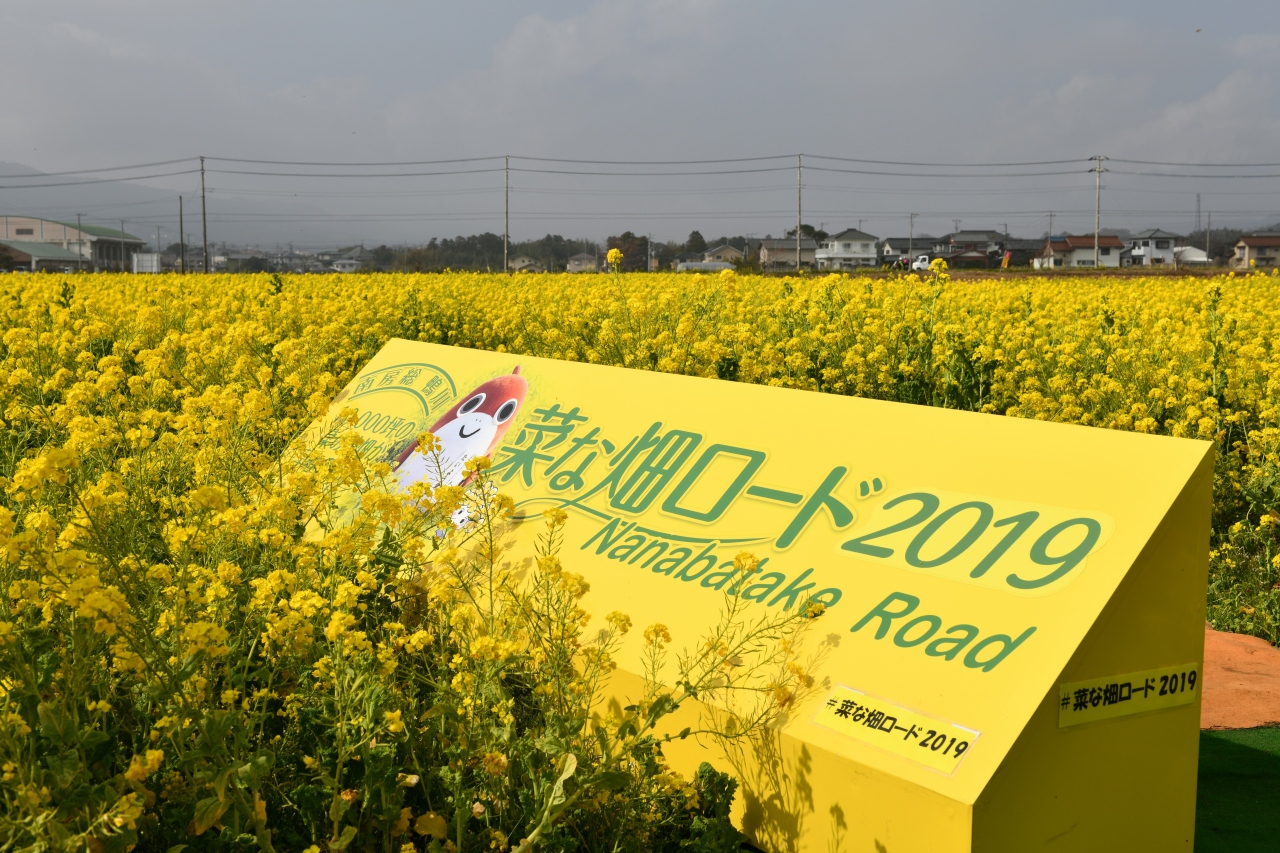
[
  {"x": 1153, "y": 248},
  {"x": 849, "y": 249}
]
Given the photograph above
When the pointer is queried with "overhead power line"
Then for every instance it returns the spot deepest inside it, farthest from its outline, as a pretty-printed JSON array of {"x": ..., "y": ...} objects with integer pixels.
[
  {"x": 370, "y": 164},
  {"x": 1198, "y": 165},
  {"x": 656, "y": 174},
  {"x": 351, "y": 174},
  {"x": 951, "y": 165},
  {"x": 91, "y": 183},
  {"x": 103, "y": 169},
  {"x": 1184, "y": 175},
  {"x": 945, "y": 175},
  {"x": 654, "y": 162}
]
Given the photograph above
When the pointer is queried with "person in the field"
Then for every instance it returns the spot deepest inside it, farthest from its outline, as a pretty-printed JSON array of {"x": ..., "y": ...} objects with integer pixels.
[{"x": 473, "y": 427}]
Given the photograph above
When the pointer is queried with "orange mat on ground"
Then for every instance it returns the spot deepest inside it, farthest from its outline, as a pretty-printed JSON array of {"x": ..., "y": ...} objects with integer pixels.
[{"x": 1241, "y": 682}]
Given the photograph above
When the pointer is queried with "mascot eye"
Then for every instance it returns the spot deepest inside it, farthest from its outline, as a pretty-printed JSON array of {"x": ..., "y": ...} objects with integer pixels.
[
  {"x": 508, "y": 409},
  {"x": 471, "y": 405}
]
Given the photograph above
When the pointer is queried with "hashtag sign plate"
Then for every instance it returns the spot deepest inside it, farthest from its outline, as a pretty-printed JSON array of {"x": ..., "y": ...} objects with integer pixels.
[
  {"x": 909, "y": 734},
  {"x": 1131, "y": 693}
]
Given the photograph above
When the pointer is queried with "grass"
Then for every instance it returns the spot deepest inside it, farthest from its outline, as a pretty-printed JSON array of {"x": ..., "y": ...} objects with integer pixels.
[{"x": 1238, "y": 800}]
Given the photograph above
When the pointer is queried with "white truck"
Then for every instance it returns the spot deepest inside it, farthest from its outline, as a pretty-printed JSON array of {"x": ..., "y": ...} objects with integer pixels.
[{"x": 920, "y": 264}]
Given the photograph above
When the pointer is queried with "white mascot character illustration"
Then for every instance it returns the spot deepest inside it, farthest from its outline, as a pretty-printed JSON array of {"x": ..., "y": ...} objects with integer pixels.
[{"x": 473, "y": 427}]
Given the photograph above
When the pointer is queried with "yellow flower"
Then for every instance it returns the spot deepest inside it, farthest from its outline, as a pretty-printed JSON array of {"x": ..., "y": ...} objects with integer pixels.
[
  {"x": 657, "y": 635},
  {"x": 392, "y": 720},
  {"x": 494, "y": 763},
  {"x": 140, "y": 767}
]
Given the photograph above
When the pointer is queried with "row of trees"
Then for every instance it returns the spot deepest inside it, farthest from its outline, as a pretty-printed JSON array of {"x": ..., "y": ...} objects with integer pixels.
[{"x": 482, "y": 252}]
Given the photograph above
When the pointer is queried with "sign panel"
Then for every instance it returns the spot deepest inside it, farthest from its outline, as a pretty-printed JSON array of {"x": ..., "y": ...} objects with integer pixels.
[
  {"x": 1132, "y": 693},
  {"x": 964, "y": 559}
]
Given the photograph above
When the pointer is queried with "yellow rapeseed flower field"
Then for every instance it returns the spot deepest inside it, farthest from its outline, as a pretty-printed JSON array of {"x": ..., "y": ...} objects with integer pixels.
[
  {"x": 180, "y": 658},
  {"x": 206, "y": 642}
]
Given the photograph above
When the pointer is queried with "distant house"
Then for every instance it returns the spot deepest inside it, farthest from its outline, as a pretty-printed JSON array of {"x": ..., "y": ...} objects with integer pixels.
[
  {"x": 686, "y": 258},
  {"x": 1262, "y": 249},
  {"x": 581, "y": 262},
  {"x": 1076, "y": 250},
  {"x": 526, "y": 264},
  {"x": 781, "y": 254},
  {"x": 520, "y": 261},
  {"x": 1022, "y": 252},
  {"x": 894, "y": 248},
  {"x": 849, "y": 249},
  {"x": 1153, "y": 248},
  {"x": 355, "y": 258},
  {"x": 971, "y": 248},
  {"x": 724, "y": 253}
]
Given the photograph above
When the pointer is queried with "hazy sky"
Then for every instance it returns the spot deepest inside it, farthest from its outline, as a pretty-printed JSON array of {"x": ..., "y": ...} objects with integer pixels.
[{"x": 115, "y": 82}]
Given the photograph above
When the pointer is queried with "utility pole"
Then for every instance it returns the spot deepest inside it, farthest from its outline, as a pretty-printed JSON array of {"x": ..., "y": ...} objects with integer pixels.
[
  {"x": 204, "y": 222},
  {"x": 157, "y": 248},
  {"x": 1197, "y": 211},
  {"x": 1097, "y": 205},
  {"x": 1049, "y": 242},
  {"x": 911, "y": 237},
  {"x": 80, "y": 240},
  {"x": 1207, "y": 232},
  {"x": 956, "y": 223},
  {"x": 860, "y": 221},
  {"x": 182, "y": 240},
  {"x": 506, "y": 208},
  {"x": 121, "y": 245},
  {"x": 799, "y": 173}
]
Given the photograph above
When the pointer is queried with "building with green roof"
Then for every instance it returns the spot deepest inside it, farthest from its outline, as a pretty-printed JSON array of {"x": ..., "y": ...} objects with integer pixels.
[{"x": 92, "y": 246}]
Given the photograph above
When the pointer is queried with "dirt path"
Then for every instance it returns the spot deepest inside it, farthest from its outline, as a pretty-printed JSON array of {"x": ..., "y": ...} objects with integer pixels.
[{"x": 1241, "y": 682}]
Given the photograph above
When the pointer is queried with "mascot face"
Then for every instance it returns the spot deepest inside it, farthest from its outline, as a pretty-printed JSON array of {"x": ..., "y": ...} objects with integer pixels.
[
  {"x": 478, "y": 421},
  {"x": 474, "y": 427}
]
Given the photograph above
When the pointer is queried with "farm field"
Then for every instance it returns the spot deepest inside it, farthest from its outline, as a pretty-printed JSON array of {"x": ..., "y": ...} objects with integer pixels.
[{"x": 144, "y": 533}]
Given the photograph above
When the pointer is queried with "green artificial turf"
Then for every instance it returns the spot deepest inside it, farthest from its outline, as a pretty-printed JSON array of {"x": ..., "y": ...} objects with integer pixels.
[{"x": 1238, "y": 797}]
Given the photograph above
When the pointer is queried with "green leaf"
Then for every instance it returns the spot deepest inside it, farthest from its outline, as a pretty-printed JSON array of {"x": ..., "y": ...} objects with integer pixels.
[
  {"x": 55, "y": 723},
  {"x": 220, "y": 783},
  {"x": 91, "y": 739},
  {"x": 208, "y": 811},
  {"x": 684, "y": 734},
  {"x": 612, "y": 780},
  {"x": 569, "y": 764},
  {"x": 348, "y": 833},
  {"x": 64, "y": 768},
  {"x": 177, "y": 848}
]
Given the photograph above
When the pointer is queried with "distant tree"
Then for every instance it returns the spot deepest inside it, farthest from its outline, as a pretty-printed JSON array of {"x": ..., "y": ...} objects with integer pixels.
[
  {"x": 383, "y": 257},
  {"x": 695, "y": 243},
  {"x": 807, "y": 230},
  {"x": 665, "y": 253},
  {"x": 634, "y": 250}
]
